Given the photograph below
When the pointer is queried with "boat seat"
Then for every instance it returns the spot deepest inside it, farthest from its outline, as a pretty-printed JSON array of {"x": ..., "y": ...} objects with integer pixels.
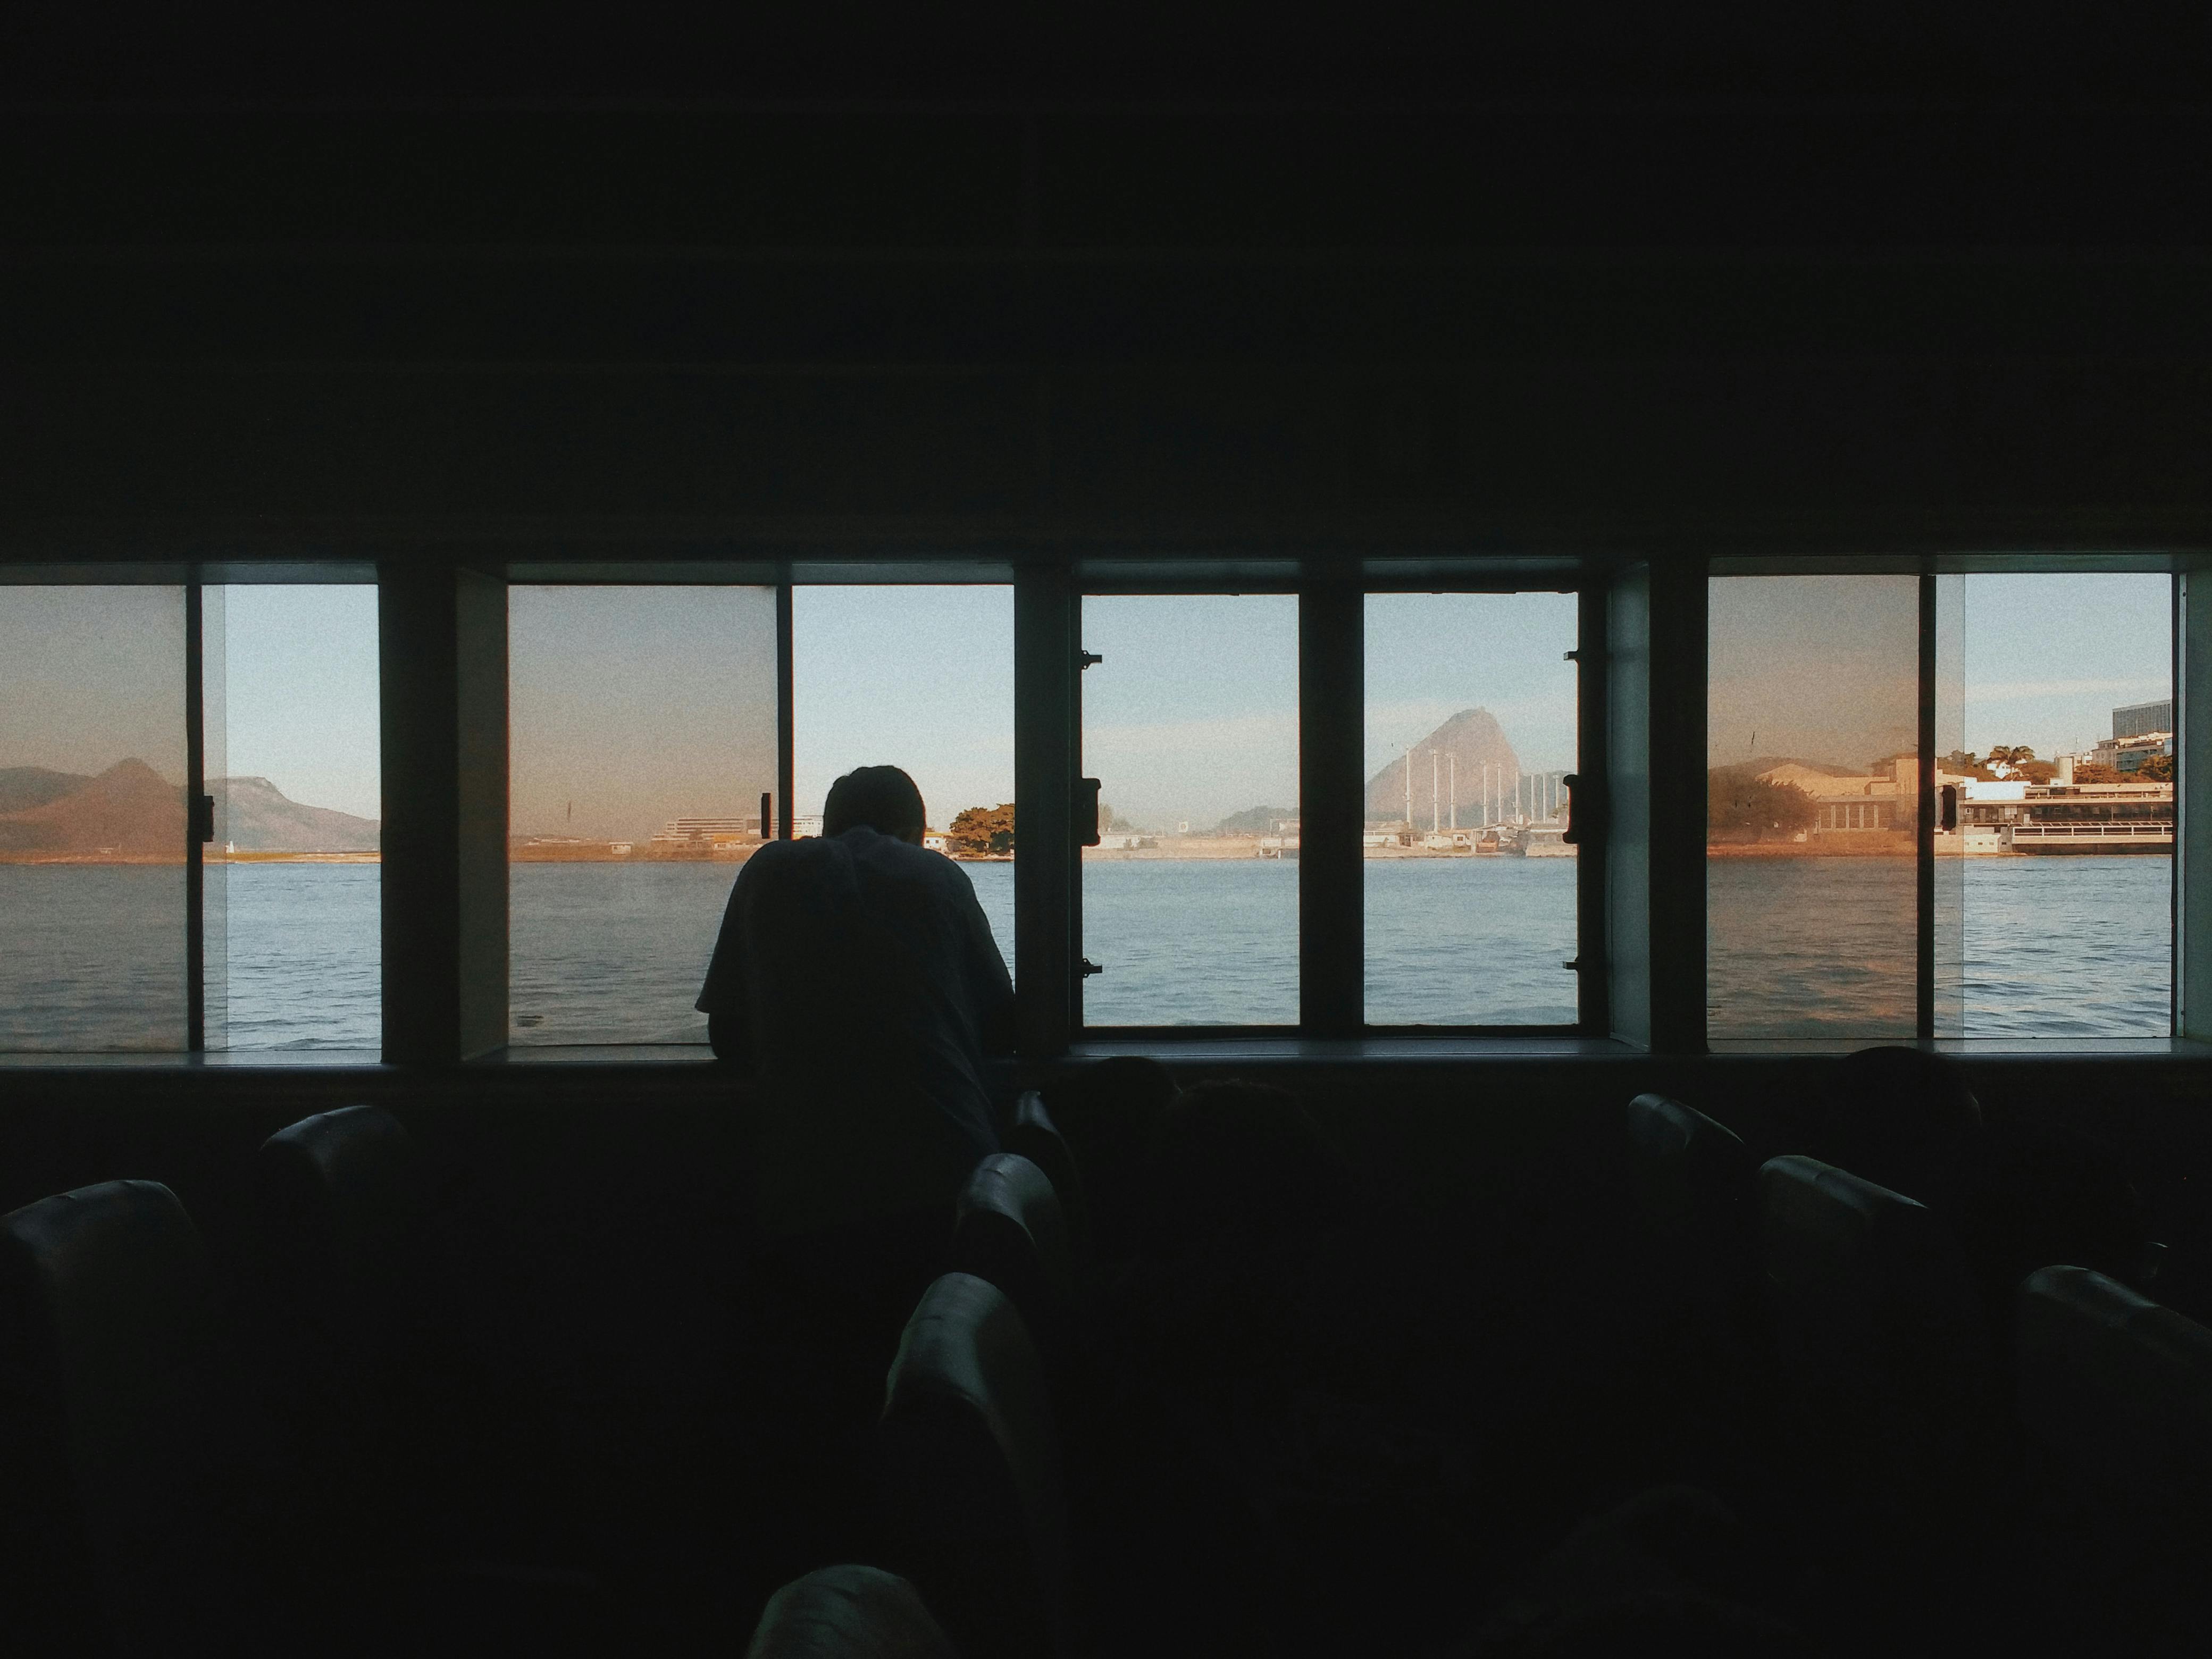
[
  {"x": 1879, "y": 1337},
  {"x": 126, "y": 1489},
  {"x": 1695, "y": 1184},
  {"x": 1035, "y": 1136},
  {"x": 847, "y": 1613},
  {"x": 1008, "y": 1229},
  {"x": 971, "y": 1473},
  {"x": 338, "y": 1203},
  {"x": 2119, "y": 1390}
]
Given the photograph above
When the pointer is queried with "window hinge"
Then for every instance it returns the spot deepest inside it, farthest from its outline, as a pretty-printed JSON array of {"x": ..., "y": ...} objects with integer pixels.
[
  {"x": 1572, "y": 656},
  {"x": 203, "y": 819},
  {"x": 1574, "y": 967},
  {"x": 1090, "y": 968}
]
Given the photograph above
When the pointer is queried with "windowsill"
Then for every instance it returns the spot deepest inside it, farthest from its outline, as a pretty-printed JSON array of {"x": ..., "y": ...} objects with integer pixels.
[
  {"x": 221, "y": 1060},
  {"x": 1271, "y": 1050},
  {"x": 2050, "y": 1047},
  {"x": 599, "y": 1053}
]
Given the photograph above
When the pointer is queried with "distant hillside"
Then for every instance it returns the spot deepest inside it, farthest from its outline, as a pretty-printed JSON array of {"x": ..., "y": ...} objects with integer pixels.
[
  {"x": 22, "y": 787},
  {"x": 254, "y": 815},
  {"x": 1474, "y": 737},
  {"x": 1751, "y": 769},
  {"x": 1256, "y": 821},
  {"x": 128, "y": 808},
  {"x": 131, "y": 808}
]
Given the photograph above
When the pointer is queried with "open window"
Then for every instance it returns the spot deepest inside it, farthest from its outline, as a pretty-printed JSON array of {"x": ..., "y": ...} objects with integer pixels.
[
  {"x": 1189, "y": 900},
  {"x": 643, "y": 761},
  {"x": 1470, "y": 884}
]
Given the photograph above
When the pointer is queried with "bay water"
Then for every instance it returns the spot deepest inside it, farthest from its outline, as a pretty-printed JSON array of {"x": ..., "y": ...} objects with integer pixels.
[{"x": 91, "y": 956}]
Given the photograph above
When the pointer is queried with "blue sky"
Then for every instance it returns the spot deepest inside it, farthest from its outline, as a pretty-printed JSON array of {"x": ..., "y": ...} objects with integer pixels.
[{"x": 636, "y": 703}]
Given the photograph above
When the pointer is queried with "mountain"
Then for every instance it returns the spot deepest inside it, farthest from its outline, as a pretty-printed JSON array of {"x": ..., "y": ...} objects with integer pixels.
[
  {"x": 1761, "y": 764},
  {"x": 254, "y": 815},
  {"x": 1256, "y": 821},
  {"x": 1474, "y": 737},
  {"x": 131, "y": 808},
  {"x": 22, "y": 787},
  {"x": 128, "y": 808}
]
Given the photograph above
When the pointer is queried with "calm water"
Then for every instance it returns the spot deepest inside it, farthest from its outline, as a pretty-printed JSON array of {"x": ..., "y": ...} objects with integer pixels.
[
  {"x": 92, "y": 957},
  {"x": 2029, "y": 946}
]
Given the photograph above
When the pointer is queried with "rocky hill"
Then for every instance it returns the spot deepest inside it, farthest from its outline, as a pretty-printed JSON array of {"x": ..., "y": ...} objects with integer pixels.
[
  {"x": 131, "y": 809},
  {"x": 1473, "y": 735},
  {"x": 254, "y": 815},
  {"x": 128, "y": 808}
]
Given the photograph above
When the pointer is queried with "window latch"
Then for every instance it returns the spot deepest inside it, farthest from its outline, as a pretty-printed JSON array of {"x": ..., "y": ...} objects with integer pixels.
[
  {"x": 203, "y": 819},
  {"x": 1086, "y": 812},
  {"x": 1088, "y": 659},
  {"x": 1090, "y": 968}
]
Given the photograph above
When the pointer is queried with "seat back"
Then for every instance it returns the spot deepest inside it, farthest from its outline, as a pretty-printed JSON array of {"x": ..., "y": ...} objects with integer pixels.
[
  {"x": 2118, "y": 1391},
  {"x": 338, "y": 1205},
  {"x": 1035, "y": 1136},
  {"x": 1879, "y": 1337},
  {"x": 124, "y": 1488},
  {"x": 1008, "y": 1229},
  {"x": 1695, "y": 1184},
  {"x": 847, "y": 1613},
  {"x": 971, "y": 1469}
]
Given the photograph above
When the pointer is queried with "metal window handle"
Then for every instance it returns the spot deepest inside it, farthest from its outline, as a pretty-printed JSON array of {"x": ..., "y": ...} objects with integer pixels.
[
  {"x": 203, "y": 819},
  {"x": 1090, "y": 968},
  {"x": 1086, "y": 812},
  {"x": 1088, "y": 659}
]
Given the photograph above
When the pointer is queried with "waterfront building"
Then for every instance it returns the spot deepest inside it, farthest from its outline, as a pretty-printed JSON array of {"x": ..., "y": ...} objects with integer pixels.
[{"x": 2139, "y": 731}]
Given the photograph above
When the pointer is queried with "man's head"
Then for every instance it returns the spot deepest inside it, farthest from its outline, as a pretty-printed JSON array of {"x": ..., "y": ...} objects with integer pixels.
[{"x": 881, "y": 797}]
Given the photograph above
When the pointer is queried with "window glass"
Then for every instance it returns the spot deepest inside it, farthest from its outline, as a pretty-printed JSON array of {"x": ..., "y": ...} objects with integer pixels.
[
  {"x": 1190, "y": 901},
  {"x": 1470, "y": 892},
  {"x": 2064, "y": 782},
  {"x": 293, "y": 929},
  {"x": 642, "y": 737},
  {"x": 92, "y": 818},
  {"x": 1812, "y": 797},
  {"x": 921, "y": 679}
]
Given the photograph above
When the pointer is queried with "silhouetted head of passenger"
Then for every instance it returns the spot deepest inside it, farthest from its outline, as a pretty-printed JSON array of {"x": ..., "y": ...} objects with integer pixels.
[
  {"x": 1898, "y": 1117},
  {"x": 1241, "y": 1169},
  {"x": 1111, "y": 1112},
  {"x": 2027, "y": 1198},
  {"x": 881, "y": 797}
]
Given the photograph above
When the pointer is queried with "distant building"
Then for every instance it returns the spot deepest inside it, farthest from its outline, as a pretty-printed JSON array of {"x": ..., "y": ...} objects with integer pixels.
[
  {"x": 2143, "y": 718},
  {"x": 706, "y": 832},
  {"x": 2139, "y": 730},
  {"x": 933, "y": 839},
  {"x": 805, "y": 824}
]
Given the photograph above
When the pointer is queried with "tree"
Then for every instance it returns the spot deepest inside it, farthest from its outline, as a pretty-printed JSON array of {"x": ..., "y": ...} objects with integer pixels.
[
  {"x": 982, "y": 831},
  {"x": 1753, "y": 808},
  {"x": 2157, "y": 769}
]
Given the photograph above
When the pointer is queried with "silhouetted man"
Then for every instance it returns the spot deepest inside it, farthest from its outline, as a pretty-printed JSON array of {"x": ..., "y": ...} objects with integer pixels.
[{"x": 856, "y": 977}]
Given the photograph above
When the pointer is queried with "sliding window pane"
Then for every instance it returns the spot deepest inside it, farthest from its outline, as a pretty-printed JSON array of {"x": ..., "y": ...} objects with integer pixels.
[
  {"x": 1190, "y": 901},
  {"x": 1812, "y": 797},
  {"x": 92, "y": 818},
  {"x": 921, "y": 679},
  {"x": 2065, "y": 789},
  {"x": 1470, "y": 889},
  {"x": 641, "y": 725},
  {"x": 295, "y": 943}
]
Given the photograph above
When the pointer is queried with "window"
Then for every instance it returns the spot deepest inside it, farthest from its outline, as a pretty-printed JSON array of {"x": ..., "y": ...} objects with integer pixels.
[
  {"x": 293, "y": 936},
  {"x": 1813, "y": 719},
  {"x": 921, "y": 679},
  {"x": 1469, "y": 888},
  {"x": 94, "y": 924},
  {"x": 642, "y": 741},
  {"x": 2064, "y": 779},
  {"x": 1190, "y": 723}
]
